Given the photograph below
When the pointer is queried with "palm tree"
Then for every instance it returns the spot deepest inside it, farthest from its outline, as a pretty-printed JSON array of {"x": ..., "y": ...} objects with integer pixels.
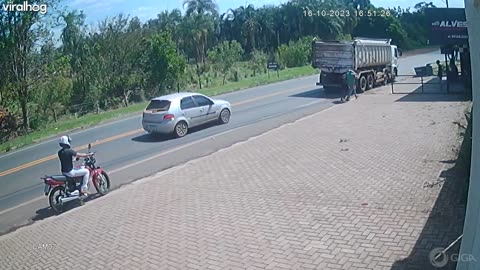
[
  {"x": 226, "y": 26},
  {"x": 251, "y": 25},
  {"x": 200, "y": 7},
  {"x": 169, "y": 20},
  {"x": 267, "y": 27},
  {"x": 246, "y": 19},
  {"x": 291, "y": 12},
  {"x": 360, "y": 4},
  {"x": 72, "y": 32},
  {"x": 195, "y": 31},
  {"x": 200, "y": 18}
]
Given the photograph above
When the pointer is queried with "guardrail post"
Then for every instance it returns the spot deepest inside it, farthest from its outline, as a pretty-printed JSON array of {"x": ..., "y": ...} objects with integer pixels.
[{"x": 392, "y": 87}]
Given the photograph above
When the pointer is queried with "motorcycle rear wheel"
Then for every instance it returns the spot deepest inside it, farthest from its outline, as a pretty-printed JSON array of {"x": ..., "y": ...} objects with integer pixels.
[
  {"x": 102, "y": 185},
  {"x": 54, "y": 200}
]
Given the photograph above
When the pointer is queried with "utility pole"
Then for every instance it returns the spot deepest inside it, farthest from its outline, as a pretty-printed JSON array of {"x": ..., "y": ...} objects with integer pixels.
[{"x": 471, "y": 231}]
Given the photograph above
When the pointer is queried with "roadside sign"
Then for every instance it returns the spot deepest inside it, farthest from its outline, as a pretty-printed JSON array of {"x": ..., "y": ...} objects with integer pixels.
[
  {"x": 447, "y": 26},
  {"x": 272, "y": 65}
]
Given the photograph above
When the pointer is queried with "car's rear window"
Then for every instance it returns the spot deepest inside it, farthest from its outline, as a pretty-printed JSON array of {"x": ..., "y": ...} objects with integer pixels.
[{"x": 158, "y": 105}]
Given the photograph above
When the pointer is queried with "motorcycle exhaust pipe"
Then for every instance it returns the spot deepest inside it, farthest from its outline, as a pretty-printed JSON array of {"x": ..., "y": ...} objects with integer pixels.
[{"x": 68, "y": 199}]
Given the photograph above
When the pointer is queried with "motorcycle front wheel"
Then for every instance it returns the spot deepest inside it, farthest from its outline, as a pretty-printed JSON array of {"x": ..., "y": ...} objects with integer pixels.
[
  {"x": 102, "y": 185},
  {"x": 54, "y": 198}
]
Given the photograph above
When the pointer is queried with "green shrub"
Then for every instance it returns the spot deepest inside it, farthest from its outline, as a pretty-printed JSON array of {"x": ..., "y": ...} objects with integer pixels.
[{"x": 296, "y": 54}]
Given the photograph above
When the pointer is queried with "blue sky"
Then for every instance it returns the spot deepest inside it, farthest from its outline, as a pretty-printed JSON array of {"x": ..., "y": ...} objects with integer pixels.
[{"x": 146, "y": 9}]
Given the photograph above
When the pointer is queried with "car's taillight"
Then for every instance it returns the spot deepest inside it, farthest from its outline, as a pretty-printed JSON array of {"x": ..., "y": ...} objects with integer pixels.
[{"x": 168, "y": 117}]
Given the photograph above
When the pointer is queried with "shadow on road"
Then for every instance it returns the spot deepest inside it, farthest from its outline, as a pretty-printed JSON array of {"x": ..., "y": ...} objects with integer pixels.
[
  {"x": 150, "y": 138},
  {"x": 48, "y": 212},
  {"x": 445, "y": 222},
  {"x": 428, "y": 89},
  {"x": 156, "y": 138},
  {"x": 319, "y": 93}
]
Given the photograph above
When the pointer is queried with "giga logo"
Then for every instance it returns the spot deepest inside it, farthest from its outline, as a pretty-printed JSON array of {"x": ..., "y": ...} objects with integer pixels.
[
  {"x": 450, "y": 24},
  {"x": 438, "y": 258}
]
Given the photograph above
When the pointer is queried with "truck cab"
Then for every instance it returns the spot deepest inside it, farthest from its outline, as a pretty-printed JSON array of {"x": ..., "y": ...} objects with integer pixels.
[{"x": 395, "y": 55}]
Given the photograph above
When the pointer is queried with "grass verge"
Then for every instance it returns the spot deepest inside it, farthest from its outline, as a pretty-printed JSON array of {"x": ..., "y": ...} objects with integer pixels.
[{"x": 89, "y": 120}]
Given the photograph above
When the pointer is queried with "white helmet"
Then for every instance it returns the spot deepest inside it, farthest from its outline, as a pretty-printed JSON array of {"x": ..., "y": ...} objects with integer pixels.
[{"x": 65, "y": 140}]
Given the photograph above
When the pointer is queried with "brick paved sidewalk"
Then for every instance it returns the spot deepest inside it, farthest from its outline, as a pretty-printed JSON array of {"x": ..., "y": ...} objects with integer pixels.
[{"x": 342, "y": 189}]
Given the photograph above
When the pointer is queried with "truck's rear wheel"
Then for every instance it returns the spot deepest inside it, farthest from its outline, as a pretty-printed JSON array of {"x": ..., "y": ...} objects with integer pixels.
[
  {"x": 370, "y": 82},
  {"x": 362, "y": 84}
]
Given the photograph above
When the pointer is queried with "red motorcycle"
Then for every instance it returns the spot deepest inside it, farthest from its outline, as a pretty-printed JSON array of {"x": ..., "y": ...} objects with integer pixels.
[{"x": 61, "y": 189}]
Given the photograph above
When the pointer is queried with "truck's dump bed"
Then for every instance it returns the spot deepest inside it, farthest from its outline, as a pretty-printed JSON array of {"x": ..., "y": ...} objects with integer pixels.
[
  {"x": 335, "y": 57},
  {"x": 338, "y": 57},
  {"x": 371, "y": 53}
]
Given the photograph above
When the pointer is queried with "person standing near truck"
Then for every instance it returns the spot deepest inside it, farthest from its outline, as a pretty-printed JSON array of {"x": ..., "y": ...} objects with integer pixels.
[
  {"x": 440, "y": 73},
  {"x": 351, "y": 78},
  {"x": 453, "y": 70}
]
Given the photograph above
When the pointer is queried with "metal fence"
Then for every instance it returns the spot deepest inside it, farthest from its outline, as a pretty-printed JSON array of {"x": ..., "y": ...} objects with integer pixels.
[{"x": 427, "y": 85}]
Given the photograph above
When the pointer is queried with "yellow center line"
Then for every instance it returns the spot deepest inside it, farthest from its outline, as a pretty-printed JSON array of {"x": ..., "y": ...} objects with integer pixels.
[
  {"x": 36, "y": 162},
  {"x": 129, "y": 133}
]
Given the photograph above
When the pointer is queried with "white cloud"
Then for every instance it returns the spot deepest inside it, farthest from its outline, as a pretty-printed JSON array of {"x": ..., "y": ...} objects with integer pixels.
[{"x": 142, "y": 9}]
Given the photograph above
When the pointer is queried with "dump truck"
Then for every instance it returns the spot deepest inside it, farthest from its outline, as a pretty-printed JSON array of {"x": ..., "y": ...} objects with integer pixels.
[{"x": 374, "y": 60}]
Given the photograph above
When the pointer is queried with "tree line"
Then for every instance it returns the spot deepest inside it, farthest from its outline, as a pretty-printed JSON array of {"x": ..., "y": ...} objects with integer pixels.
[{"x": 122, "y": 60}]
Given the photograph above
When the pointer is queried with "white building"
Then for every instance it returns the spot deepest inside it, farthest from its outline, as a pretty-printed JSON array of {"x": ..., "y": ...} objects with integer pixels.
[{"x": 471, "y": 233}]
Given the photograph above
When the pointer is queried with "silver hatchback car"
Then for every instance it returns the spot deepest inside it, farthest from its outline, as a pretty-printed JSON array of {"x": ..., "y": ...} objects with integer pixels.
[{"x": 176, "y": 113}]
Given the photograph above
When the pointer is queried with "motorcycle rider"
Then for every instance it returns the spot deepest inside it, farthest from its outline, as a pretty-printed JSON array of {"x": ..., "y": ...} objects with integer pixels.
[{"x": 66, "y": 156}]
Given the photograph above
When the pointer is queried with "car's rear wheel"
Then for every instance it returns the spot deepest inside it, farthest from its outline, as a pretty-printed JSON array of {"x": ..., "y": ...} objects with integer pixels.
[
  {"x": 224, "y": 116},
  {"x": 181, "y": 129}
]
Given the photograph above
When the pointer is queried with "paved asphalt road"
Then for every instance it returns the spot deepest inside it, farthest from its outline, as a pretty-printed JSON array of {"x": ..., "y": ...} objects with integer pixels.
[{"x": 128, "y": 153}]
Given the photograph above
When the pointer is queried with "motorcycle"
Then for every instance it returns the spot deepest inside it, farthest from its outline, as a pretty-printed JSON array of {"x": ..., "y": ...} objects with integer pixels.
[{"x": 61, "y": 189}]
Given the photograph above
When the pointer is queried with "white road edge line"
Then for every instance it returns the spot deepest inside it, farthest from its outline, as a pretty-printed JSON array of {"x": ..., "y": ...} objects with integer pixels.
[{"x": 173, "y": 150}]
